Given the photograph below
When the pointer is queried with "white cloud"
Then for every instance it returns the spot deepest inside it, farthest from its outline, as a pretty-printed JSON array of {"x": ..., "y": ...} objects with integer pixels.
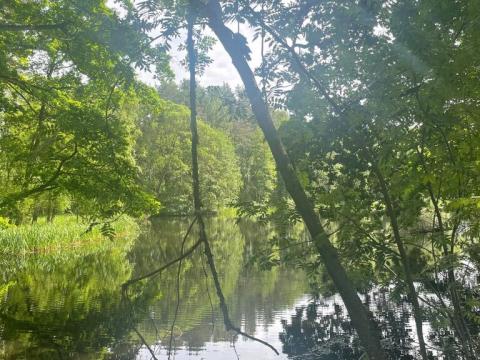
[{"x": 220, "y": 71}]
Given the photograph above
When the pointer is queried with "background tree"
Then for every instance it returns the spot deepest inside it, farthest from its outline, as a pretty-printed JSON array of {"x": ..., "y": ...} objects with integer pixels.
[
  {"x": 64, "y": 84},
  {"x": 163, "y": 152},
  {"x": 226, "y": 111}
]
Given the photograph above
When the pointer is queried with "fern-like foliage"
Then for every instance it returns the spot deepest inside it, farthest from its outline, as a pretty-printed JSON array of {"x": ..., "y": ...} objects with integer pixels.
[{"x": 108, "y": 231}]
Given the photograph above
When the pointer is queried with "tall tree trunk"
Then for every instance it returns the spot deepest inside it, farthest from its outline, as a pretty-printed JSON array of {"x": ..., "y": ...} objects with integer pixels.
[
  {"x": 197, "y": 202},
  {"x": 412, "y": 292},
  {"x": 363, "y": 323},
  {"x": 196, "y": 186}
]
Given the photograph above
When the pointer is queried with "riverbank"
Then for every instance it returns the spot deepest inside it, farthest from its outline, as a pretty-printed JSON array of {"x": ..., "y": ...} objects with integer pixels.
[{"x": 65, "y": 233}]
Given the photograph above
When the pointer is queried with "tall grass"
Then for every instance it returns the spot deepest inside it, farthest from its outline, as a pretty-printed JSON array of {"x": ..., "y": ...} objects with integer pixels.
[{"x": 65, "y": 233}]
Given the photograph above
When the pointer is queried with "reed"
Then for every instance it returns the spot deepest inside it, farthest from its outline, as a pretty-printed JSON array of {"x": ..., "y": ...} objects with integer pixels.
[{"x": 65, "y": 233}]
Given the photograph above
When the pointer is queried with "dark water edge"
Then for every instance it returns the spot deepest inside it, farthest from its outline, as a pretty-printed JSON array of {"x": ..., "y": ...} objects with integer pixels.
[{"x": 69, "y": 305}]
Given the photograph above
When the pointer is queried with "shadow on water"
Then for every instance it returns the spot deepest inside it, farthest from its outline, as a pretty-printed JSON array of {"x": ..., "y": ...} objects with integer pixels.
[{"x": 321, "y": 330}]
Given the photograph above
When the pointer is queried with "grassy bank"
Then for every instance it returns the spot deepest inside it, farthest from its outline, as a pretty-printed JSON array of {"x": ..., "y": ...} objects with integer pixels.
[{"x": 65, "y": 233}]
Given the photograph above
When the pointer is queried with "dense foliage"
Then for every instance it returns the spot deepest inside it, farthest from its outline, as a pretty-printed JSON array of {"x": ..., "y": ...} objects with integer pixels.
[
  {"x": 382, "y": 130},
  {"x": 80, "y": 134},
  {"x": 164, "y": 156},
  {"x": 63, "y": 88},
  {"x": 229, "y": 112}
]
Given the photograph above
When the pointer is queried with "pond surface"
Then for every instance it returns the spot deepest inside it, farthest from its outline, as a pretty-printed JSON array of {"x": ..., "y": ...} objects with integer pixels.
[{"x": 69, "y": 306}]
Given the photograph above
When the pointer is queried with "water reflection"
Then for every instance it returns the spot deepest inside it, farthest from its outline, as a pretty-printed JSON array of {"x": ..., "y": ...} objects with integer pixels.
[
  {"x": 61, "y": 306},
  {"x": 257, "y": 300},
  {"x": 322, "y": 330}
]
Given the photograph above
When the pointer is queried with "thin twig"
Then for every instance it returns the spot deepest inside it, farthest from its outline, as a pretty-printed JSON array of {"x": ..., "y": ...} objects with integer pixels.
[
  {"x": 132, "y": 311},
  {"x": 234, "y": 348},
  {"x": 156, "y": 272},
  {"x": 208, "y": 293},
  {"x": 178, "y": 299},
  {"x": 321, "y": 87},
  {"x": 145, "y": 342},
  {"x": 30, "y": 27},
  {"x": 159, "y": 270}
]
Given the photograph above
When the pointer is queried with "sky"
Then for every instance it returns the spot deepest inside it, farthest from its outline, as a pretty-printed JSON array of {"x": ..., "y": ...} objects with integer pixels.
[{"x": 221, "y": 70}]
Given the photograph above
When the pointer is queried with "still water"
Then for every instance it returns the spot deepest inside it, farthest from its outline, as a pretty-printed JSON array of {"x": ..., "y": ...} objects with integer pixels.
[{"x": 69, "y": 306}]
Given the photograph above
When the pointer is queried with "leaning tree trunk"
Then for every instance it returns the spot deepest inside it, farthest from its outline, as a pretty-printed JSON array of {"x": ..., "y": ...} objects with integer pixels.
[
  {"x": 457, "y": 319},
  {"x": 363, "y": 323}
]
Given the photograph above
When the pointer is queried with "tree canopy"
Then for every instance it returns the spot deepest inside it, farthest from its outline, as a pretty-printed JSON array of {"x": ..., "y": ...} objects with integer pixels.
[{"x": 361, "y": 122}]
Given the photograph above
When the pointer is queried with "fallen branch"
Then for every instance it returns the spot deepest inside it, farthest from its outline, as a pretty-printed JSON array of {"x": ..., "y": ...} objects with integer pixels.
[
  {"x": 209, "y": 296},
  {"x": 223, "y": 305},
  {"x": 145, "y": 343},
  {"x": 132, "y": 311}
]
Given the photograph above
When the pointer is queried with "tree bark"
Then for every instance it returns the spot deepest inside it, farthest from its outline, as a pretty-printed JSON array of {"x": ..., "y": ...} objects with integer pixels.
[{"x": 362, "y": 321}]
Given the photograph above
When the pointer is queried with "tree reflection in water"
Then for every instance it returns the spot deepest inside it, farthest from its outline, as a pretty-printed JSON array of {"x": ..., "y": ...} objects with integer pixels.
[
  {"x": 322, "y": 330},
  {"x": 69, "y": 305},
  {"x": 62, "y": 306}
]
